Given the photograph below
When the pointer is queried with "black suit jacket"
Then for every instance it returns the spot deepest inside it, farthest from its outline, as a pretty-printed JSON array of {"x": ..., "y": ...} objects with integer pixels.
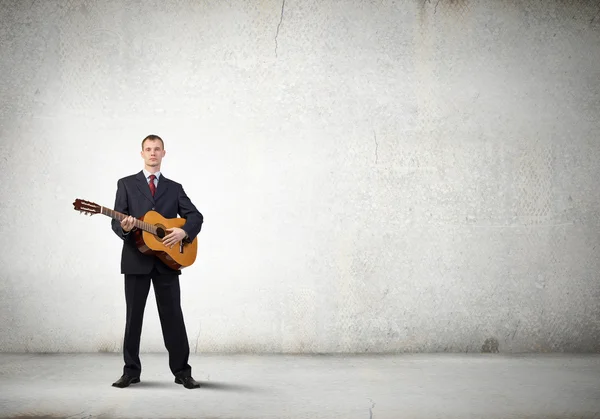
[{"x": 134, "y": 198}]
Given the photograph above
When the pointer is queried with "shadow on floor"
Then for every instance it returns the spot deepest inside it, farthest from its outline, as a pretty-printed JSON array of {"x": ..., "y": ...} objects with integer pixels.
[
  {"x": 215, "y": 385},
  {"x": 206, "y": 385}
]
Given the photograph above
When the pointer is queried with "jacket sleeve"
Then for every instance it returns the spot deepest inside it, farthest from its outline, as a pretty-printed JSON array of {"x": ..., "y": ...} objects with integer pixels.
[
  {"x": 120, "y": 206},
  {"x": 193, "y": 217}
]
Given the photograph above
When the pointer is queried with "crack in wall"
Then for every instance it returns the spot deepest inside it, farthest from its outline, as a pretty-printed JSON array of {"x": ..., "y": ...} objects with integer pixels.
[
  {"x": 595, "y": 16},
  {"x": 279, "y": 25},
  {"x": 376, "y": 146},
  {"x": 197, "y": 339},
  {"x": 371, "y": 409}
]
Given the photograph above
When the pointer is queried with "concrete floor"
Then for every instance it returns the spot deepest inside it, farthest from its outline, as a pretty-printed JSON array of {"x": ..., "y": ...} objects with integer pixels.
[{"x": 463, "y": 386}]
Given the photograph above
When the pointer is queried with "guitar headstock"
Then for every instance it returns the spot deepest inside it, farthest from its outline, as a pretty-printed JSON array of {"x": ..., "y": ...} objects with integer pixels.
[{"x": 87, "y": 207}]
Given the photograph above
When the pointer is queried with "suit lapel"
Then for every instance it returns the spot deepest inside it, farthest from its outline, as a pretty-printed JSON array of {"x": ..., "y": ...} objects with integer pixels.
[
  {"x": 163, "y": 185},
  {"x": 142, "y": 184}
]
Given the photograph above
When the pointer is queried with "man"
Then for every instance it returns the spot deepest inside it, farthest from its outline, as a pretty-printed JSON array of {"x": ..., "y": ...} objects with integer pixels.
[{"x": 136, "y": 195}]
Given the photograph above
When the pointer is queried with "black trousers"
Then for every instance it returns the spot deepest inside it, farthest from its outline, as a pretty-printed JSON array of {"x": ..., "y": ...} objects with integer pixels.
[{"x": 168, "y": 301}]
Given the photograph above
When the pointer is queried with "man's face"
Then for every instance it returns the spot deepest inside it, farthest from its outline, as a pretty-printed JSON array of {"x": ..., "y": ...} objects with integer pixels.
[{"x": 152, "y": 153}]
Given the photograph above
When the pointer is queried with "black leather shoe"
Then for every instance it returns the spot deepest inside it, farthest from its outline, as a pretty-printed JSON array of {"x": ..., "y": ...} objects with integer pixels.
[
  {"x": 188, "y": 382},
  {"x": 125, "y": 380}
]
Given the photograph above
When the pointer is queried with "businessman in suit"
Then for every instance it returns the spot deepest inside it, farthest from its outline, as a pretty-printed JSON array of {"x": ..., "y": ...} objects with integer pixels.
[{"x": 137, "y": 194}]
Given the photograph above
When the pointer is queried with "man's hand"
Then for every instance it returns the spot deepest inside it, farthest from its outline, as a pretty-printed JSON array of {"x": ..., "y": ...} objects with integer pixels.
[
  {"x": 175, "y": 235},
  {"x": 127, "y": 223}
]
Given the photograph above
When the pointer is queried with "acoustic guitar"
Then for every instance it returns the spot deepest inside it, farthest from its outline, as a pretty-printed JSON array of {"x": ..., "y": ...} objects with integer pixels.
[{"x": 150, "y": 232}]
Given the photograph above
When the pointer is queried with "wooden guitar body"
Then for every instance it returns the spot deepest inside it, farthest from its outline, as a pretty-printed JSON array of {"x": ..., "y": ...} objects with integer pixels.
[{"x": 179, "y": 256}]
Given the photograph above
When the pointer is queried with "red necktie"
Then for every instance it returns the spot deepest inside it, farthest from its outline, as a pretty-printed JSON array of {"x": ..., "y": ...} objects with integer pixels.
[{"x": 151, "y": 184}]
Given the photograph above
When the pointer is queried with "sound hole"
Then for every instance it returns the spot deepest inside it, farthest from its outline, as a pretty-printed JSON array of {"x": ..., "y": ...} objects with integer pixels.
[{"x": 160, "y": 232}]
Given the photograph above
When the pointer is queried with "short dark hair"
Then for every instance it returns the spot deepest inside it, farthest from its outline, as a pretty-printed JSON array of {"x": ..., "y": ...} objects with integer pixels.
[{"x": 153, "y": 137}]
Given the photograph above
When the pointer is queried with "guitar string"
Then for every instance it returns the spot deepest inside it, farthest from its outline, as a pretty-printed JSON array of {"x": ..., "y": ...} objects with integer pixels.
[{"x": 138, "y": 223}]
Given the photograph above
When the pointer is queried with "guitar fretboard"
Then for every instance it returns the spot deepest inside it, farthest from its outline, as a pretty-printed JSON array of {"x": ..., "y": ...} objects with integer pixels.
[{"x": 137, "y": 223}]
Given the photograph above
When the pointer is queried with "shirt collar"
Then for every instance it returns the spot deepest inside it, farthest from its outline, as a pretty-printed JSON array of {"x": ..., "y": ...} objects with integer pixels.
[{"x": 147, "y": 174}]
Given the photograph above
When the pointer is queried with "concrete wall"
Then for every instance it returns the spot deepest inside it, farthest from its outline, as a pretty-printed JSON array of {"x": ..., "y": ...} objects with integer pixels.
[{"x": 374, "y": 175}]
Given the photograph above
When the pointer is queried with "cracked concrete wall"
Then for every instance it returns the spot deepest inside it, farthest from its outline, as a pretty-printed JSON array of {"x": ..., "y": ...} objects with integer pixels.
[{"x": 375, "y": 176}]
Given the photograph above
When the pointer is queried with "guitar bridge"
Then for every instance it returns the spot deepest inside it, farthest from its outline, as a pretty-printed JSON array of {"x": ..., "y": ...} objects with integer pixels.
[{"x": 181, "y": 247}]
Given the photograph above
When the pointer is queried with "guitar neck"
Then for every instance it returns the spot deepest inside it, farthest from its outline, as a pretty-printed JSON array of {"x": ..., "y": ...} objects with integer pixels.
[{"x": 137, "y": 223}]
